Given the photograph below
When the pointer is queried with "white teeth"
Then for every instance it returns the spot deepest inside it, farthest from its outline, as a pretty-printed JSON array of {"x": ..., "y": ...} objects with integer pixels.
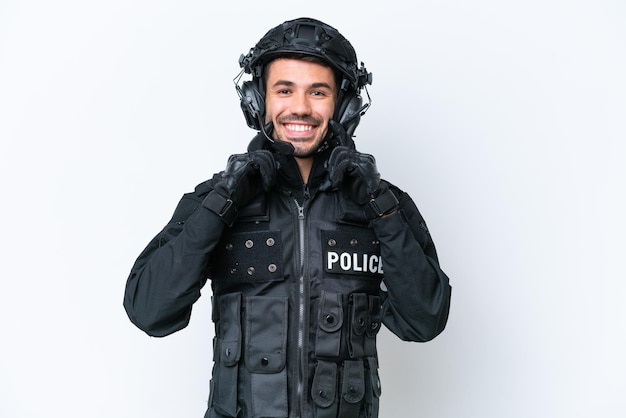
[{"x": 299, "y": 128}]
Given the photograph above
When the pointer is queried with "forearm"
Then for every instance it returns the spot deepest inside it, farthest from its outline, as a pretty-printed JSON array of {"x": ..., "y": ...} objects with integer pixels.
[
  {"x": 418, "y": 292},
  {"x": 167, "y": 277}
]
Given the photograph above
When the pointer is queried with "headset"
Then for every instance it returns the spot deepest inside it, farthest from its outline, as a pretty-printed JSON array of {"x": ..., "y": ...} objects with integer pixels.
[{"x": 308, "y": 37}]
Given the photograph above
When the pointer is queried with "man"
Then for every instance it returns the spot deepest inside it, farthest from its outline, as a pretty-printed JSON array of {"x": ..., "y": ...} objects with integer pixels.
[{"x": 307, "y": 250}]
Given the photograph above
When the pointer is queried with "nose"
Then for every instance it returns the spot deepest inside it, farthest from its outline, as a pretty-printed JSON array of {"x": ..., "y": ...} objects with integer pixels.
[{"x": 300, "y": 104}]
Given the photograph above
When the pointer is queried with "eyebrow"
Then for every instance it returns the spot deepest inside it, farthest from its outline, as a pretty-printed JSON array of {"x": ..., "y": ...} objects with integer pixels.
[{"x": 291, "y": 84}]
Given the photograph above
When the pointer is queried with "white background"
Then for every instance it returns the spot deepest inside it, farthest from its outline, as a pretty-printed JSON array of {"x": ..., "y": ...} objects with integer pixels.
[{"x": 505, "y": 120}]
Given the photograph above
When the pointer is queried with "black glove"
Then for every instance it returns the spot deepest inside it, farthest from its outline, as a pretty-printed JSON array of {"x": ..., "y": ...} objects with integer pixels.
[
  {"x": 245, "y": 176},
  {"x": 339, "y": 135},
  {"x": 356, "y": 174}
]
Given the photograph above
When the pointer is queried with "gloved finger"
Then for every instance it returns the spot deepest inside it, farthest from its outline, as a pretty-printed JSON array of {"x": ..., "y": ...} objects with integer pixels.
[
  {"x": 235, "y": 163},
  {"x": 372, "y": 181},
  {"x": 267, "y": 167},
  {"x": 340, "y": 134},
  {"x": 366, "y": 159},
  {"x": 369, "y": 172},
  {"x": 339, "y": 163},
  {"x": 337, "y": 156}
]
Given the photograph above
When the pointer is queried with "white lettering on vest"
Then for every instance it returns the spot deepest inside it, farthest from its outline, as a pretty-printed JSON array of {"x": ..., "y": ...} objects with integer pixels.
[
  {"x": 353, "y": 262},
  {"x": 333, "y": 257}
]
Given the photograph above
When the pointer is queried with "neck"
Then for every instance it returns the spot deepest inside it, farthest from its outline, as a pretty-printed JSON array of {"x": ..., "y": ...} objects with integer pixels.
[{"x": 304, "y": 165}]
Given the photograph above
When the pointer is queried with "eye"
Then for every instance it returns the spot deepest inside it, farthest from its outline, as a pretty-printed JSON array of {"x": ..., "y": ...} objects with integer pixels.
[
  {"x": 281, "y": 90},
  {"x": 320, "y": 93}
]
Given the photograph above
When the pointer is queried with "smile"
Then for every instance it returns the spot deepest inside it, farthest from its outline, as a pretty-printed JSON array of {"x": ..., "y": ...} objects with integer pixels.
[{"x": 298, "y": 128}]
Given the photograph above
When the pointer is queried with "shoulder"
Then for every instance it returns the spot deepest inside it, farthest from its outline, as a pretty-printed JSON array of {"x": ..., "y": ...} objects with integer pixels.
[
  {"x": 400, "y": 194},
  {"x": 407, "y": 205},
  {"x": 191, "y": 200},
  {"x": 202, "y": 189}
]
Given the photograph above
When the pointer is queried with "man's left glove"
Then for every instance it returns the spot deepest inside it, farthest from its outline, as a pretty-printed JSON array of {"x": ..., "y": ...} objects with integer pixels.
[
  {"x": 246, "y": 175},
  {"x": 356, "y": 174}
]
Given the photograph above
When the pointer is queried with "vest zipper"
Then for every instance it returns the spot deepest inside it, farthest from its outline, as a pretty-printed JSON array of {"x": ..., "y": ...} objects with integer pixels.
[{"x": 302, "y": 308}]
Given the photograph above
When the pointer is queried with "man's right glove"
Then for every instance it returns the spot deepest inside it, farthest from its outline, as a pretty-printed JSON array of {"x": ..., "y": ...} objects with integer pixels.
[
  {"x": 356, "y": 174},
  {"x": 246, "y": 175}
]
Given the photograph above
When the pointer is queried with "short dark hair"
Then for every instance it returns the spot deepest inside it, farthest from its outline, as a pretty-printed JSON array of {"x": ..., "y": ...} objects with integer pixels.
[{"x": 307, "y": 58}]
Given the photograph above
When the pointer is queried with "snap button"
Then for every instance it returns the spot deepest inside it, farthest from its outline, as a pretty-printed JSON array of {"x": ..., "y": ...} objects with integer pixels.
[
  {"x": 227, "y": 352},
  {"x": 265, "y": 361},
  {"x": 330, "y": 319},
  {"x": 229, "y": 247},
  {"x": 249, "y": 243},
  {"x": 271, "y": 268},
  {"x": 332, "y": 242},
  {"x": 354, "y": 242},
  {"x": 322, "y": 393},
  {"x": 270, "y": 242},
  {"x": 251, "y": 271}
]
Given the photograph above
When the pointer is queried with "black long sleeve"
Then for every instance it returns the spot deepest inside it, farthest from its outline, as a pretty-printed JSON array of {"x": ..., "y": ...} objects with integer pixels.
[
  {"x": 167, "y": 277},
  {"x": 417, "y": 300}
]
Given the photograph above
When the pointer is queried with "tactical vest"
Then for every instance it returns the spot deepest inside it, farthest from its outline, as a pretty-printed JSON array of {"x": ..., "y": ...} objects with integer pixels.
[{"x": 296, "y": 308}]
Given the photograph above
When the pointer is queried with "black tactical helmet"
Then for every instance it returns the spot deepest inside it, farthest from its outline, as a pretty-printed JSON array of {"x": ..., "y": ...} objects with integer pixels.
[{"x": 309, "y": 37}]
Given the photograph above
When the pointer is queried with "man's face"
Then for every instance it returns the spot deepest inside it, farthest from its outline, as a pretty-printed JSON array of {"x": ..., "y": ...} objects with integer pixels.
[{"x": 299, "y": 100}]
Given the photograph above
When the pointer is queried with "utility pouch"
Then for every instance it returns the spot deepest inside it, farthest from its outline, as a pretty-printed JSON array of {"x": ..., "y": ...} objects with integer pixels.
[
  {"x": 330, "y": 320},
  {"x": 375, "y": 318},
  {"x": 358, "y": 324},
  {"x": 352, "y": 388},
  {"x": 266, "y": 354},
  {"x": 372, "y": 388},
  {"x": 227, "y": 352},
  {"x": 212, "y": 411},
  {"x": 373, "y": 325},
  {"x": 324, "y": 389}
]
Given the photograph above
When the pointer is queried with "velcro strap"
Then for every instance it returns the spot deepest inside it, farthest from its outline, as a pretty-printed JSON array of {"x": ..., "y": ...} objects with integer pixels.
[
  {"x": 381, "y": 205},
  {"x": 223, "y": 207}
]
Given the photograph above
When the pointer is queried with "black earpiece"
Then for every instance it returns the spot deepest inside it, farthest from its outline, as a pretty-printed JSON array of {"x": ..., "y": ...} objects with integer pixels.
[
  {"x": 349, "y": 112},
  {"x": 252, "y": 104}
]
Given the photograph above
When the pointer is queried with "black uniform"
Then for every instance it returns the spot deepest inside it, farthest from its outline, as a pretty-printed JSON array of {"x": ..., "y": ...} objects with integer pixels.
[{"x": 297, "y": 294}]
